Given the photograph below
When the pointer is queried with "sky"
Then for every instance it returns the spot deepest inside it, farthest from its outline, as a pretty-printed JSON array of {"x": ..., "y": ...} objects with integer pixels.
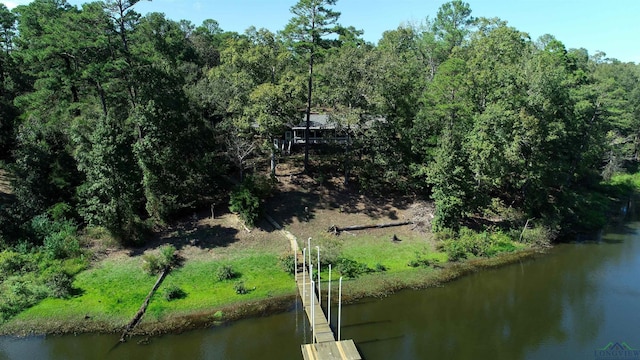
[{"x": 610, "y": 26}]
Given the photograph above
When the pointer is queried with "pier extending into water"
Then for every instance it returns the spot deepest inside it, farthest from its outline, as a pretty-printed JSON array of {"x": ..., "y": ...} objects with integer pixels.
[{"x": 324, "y": 345}]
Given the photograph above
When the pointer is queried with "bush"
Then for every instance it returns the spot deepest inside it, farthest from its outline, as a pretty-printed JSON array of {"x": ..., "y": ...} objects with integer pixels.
[
  {"x": 469, "y": 243},
  {"x": 240, "y": 288},
  {"x": 226, "y": 272},
  {"x": 245, "y": 199},
  {"x": 17, "y": 294},
  {"x": 420, "y": 261},
  {"x": 173, "y": 292},
  {"x": 60, "y": 285},
  {"x": 244, "y": 203},
  {"x": 380, "y": 268},
  {"x": 153, "y": 264},
  {"x": 330, "y": 251},
  {"x": 287, "y": 263},
  {"x": 13, "y": 263},
  {"x": 62, "y": 245},
  {"x": 454, "y": 249},
  {"x": 351, "y": 268},
  {"x": 537, "y": 235},
  {"x": 168, "y": 255},
  {"x": 58, "y": 236}
]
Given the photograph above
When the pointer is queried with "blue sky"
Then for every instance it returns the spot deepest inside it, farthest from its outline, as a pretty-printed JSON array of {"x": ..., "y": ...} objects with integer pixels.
[{"x": 612, "y": 26}]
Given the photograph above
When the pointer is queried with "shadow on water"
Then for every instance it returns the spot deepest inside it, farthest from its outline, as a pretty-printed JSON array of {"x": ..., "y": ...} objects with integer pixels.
[
  {"x": 361, "y": 342},
  {"x": 368, "y": 323}
]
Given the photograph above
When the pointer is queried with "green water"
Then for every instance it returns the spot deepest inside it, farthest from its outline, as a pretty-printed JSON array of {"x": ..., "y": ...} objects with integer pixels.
[{"x": 564, "y": 305}]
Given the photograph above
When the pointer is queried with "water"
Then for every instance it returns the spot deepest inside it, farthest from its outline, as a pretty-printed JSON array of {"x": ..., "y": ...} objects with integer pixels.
[{"x": 564, "y": 305}]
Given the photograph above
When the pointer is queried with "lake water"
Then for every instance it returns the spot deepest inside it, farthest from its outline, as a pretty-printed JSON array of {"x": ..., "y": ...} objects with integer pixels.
[{"x": 568, "y": 304}]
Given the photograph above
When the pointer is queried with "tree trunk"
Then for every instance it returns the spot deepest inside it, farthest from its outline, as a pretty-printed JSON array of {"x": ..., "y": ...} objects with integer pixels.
[
  {"x": 335, "y": 229},
  {"x": 308, "y": 114}
]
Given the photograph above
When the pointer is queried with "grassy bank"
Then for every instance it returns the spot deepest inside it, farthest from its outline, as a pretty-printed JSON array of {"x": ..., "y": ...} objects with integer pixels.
[
  {"x": 107, "y": 295},
  {"x": 209, "y": 301},
  {"x": 110, "y": 294}
]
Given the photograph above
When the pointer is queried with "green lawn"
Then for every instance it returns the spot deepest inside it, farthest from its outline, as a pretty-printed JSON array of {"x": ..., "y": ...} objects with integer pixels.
[
  {"x": 113, "y": 292},
  {"x": 260, "y": 273},
  {"x": 377, "y": 249}
]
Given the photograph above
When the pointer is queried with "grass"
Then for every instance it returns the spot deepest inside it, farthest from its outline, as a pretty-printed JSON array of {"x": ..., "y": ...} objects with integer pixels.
[
  {"x": 261, "y": 274},
  {"x": 112, "y": 293},
  {"x": 373, "y": 250}
]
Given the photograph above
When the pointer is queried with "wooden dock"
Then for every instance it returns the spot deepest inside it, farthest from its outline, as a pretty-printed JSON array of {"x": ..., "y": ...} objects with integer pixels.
[{"x": 325, "y": 346}]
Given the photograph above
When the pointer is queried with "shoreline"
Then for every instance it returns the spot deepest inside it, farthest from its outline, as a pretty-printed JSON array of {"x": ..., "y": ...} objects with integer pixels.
[{"x": 368, "y": 286}]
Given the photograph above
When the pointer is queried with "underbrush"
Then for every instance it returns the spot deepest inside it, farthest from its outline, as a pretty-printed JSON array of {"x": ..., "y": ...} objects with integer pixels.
[
  {"x": 468, "y": 243},
  {"x": 28, "y": 278}
]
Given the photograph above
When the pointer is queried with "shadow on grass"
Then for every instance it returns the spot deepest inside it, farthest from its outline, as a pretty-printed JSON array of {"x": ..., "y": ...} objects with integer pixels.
[{"x": 205, "y": 237}]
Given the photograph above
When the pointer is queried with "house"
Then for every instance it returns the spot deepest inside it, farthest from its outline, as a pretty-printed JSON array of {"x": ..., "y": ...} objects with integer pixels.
[{"x": 323, "y": 129}]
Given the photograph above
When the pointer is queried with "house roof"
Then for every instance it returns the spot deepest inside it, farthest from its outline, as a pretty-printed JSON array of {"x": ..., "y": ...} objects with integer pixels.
[
  {"x": 316, "y": 121},
  {"x": 324, "y": 121}
]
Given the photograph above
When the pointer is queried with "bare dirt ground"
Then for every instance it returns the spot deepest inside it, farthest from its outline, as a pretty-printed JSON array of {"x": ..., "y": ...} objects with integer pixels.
[
  {"x": 301, "y": 204},
  {"x": 306, "y": 206}
]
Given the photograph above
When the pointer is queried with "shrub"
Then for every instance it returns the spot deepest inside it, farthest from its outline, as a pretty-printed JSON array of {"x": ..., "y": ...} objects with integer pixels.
[
  {"x": 470, "y": 243},
  {"x": 240, "y": 288},
  {"x": 351, "y": 268},
  {"x": 17, "y": 294},
  {"x": 245, "y": 199},
  {"x": 454, "y": 249},
  {"x": 62, "y": 245},
  {"x": 153, "y": 264},
  {"x": 58, "y": 236},
  {"x": 537, "y": 235},
  {"x": 380, "y": 268},
  {"x": 226, "y": 272},
  {"x": 244, "y": 203},
  {"x": 167, "y": 255},
  {"x": 287, "y": 263},
  {"x": 420, "y": 261},
  {"x": 173, "y": 292},
  {"x": 13, "y": 263},
  {"x": 60, "y": 285}
]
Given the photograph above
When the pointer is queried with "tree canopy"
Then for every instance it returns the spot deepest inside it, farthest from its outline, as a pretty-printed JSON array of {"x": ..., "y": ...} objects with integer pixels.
[{"x": 131, "y": 119}]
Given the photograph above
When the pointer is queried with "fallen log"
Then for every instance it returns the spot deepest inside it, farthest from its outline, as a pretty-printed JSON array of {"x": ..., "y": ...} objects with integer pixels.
[
  {"x": 336, "y": 230},
  {"x": 136, "y": 319}
]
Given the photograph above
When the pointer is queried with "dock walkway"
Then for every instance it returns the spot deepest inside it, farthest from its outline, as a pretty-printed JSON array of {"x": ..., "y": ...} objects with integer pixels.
[{"x": 325, "y": 346}]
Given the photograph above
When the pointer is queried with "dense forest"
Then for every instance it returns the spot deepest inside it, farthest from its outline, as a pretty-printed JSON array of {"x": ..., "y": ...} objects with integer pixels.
[{"x": 113, "y": 119}]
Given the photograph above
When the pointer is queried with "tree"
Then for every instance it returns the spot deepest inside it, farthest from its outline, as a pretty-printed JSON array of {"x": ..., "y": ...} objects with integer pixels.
[
  {"x": 312, "y": 21},
  {"x": 8, "y": 87},
  {"x": 110, "y": 196},
  {"x": 448, "y": 103},
  {"x": 452, "y": 26},
  {"x": 347, "y": 84}
]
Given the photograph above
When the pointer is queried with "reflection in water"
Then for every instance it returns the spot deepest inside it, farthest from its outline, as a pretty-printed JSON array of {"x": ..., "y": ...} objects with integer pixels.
[{"x": 565, "y": 305}]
